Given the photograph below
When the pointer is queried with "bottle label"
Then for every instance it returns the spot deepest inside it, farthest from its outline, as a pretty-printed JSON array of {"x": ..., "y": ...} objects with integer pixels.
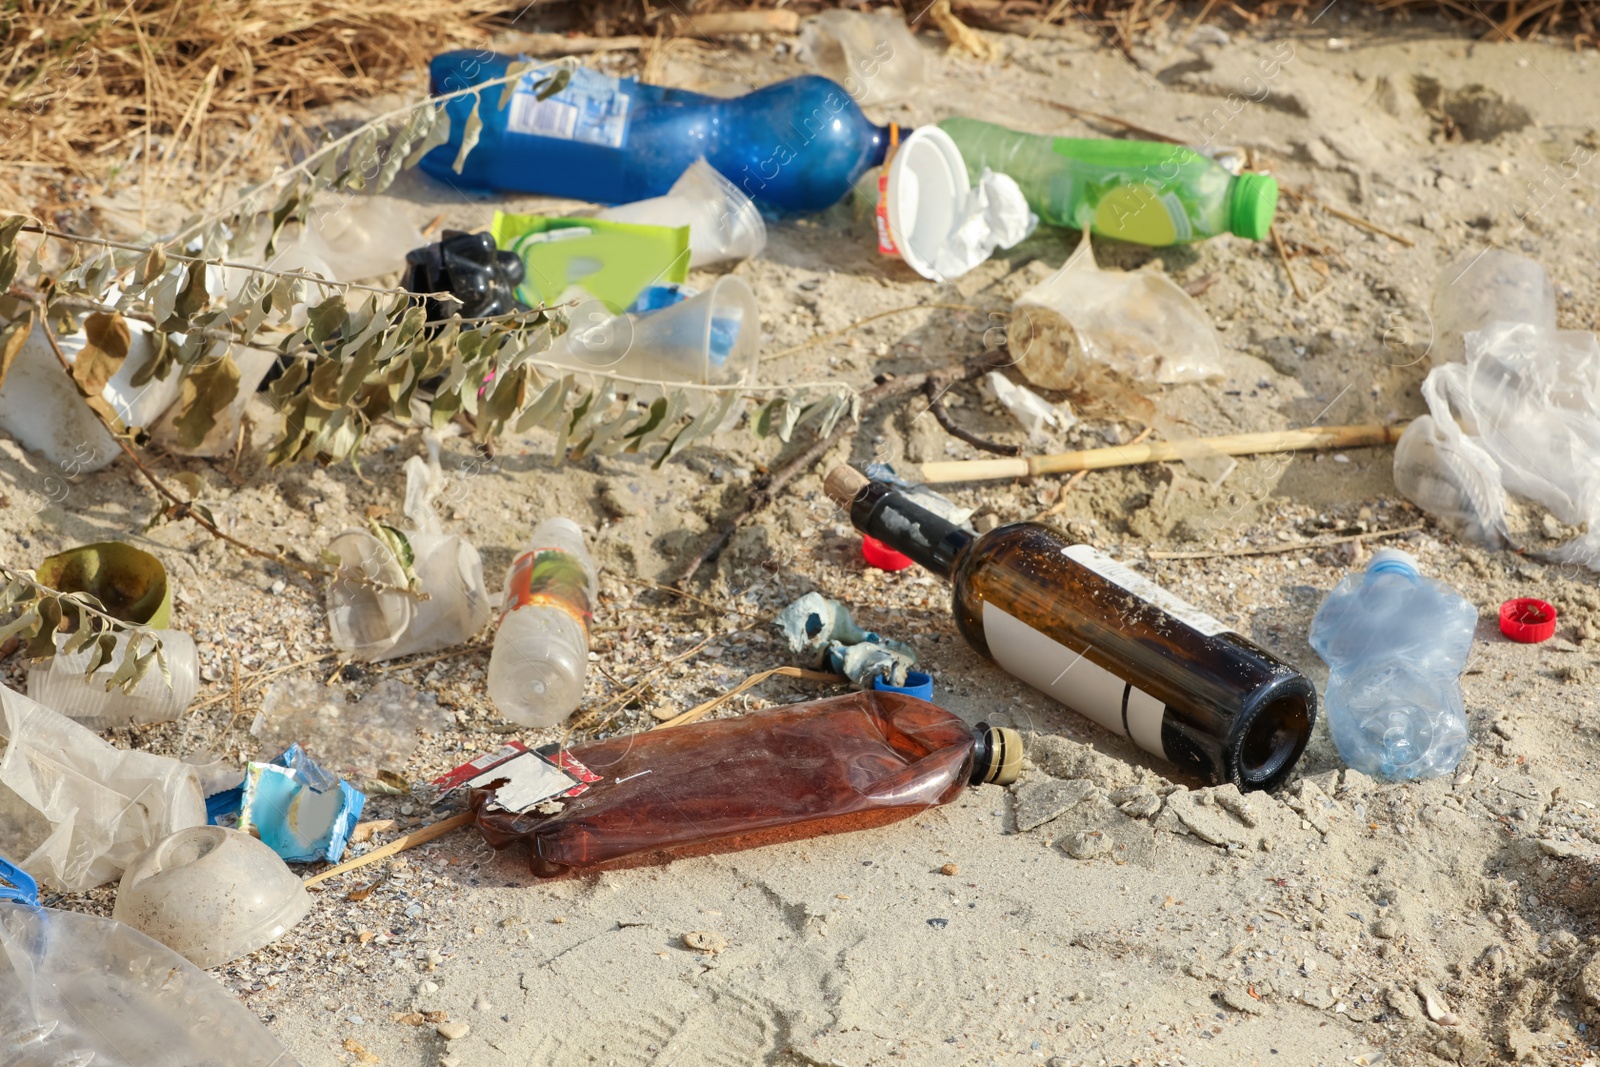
[
  {"x": 549, "y": 577},
  {"x": 1135, "y": 213},
  {"x": 592, "y": 108},
  {"x": 1145, "y": 590},
  {"x": 886, "y": 245},
  {"x": 1075, "y": 680}
]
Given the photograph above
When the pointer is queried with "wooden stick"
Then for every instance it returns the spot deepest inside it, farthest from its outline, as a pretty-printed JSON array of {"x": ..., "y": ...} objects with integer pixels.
[
  {"x": 1273, "y": 550},
  {"x": 1355, "y": 220},
  {"x": 699, "y": 711},
  {"x": 1130, "y": 455},
  {"x": 399, "y": 844}
]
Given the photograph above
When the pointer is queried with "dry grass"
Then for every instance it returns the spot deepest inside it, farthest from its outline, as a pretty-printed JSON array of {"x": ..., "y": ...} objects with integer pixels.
[
  {"x": 172, "y": 91},
  {"x": 165, "y": 101}
]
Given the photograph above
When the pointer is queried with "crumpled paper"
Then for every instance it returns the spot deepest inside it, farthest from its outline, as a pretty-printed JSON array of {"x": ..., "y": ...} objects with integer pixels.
[
  {"x": 1032, "y": 411},
  {"x": 823, "y": 634},
  {"x": 995, "y": 216}
]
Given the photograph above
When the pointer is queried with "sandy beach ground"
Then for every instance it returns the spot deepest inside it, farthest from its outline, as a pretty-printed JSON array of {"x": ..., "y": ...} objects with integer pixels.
[{"x": 1123, "y": 917}]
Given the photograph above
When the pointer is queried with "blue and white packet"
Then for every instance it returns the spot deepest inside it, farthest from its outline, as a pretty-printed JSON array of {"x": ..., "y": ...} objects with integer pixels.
[{"x": 301, "y": 811}]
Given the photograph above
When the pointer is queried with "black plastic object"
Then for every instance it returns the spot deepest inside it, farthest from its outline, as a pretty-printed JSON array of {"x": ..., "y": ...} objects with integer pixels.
[{"x": 480, "y": 277}]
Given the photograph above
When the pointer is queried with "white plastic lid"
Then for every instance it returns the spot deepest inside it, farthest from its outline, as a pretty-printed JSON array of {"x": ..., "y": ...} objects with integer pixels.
[{"x": 927, "y": 190}]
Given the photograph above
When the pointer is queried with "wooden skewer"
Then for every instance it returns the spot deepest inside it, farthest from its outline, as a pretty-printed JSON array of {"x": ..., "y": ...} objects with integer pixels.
[
  {"x": 1240, "y": 444},
  {"x": 399, "y": 844}
]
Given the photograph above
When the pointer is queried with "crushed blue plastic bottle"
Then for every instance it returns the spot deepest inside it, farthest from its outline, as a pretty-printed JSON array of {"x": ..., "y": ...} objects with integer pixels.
[
  {"x": 1395, "y": 643},
  {"x": 794, "y": 146}
]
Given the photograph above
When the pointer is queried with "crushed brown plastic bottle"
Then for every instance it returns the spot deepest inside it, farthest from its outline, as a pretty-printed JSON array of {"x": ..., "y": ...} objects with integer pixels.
[
  {"x": 846, "y": 763},
  {"x": 1105, "y": 641}
]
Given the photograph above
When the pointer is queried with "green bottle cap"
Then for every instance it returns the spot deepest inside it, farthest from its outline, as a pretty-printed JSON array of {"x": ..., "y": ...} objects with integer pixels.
[{"x": 1251, "y": 205}]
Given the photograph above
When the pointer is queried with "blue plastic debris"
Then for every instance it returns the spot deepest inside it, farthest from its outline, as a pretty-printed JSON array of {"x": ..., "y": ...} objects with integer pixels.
[
  {"x": 301, "y": 811},
  {"x": 822, "y": 633}
]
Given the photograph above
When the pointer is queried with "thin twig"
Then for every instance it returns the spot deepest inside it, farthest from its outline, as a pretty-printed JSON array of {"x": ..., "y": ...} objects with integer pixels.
[
  {"x": 130, "y": 246},
  {"x": 399, "y": 844},
  {"x": 260, "y": 677},
  {"x": 1355, "y": 220},
  {"x": 1131, "y": 127},
  {"x": 942, "y": 417},
  {"x": 1283, "y": 254},
  {"x": 585, "y": 719},
  {"x": 461, "y": 650},
  {"x": 1273, "y": 550},
  {"x": 725, "y": 608},
  {"x": 768, "y": 489},
  {"x": 699, "y": 711}
]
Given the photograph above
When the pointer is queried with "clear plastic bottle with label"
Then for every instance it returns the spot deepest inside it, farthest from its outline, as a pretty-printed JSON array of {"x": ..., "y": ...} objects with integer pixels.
[
  {"x": 1103, "y": 640},
  {"x": 541, "y": 649}
]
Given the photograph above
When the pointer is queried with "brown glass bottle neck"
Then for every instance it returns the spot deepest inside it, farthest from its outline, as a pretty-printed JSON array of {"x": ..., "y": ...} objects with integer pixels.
[{"x": 930, "y": 540}]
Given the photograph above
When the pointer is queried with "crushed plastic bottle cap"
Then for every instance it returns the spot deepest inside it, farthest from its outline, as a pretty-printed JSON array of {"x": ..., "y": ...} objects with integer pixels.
[
  {"x": 881, "y": 556},
  {"x": 1527, "y": 620},
  {"x": 917, "y": 685}
]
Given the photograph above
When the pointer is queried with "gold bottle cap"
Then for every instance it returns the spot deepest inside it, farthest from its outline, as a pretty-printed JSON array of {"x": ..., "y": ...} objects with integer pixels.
[
  {"x": 843, "y": 483},
  {"x": 1004, "y": 752}
]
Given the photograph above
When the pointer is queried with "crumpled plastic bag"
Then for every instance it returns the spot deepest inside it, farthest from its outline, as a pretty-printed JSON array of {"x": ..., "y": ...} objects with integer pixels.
[
  {"x": 1106, "y": 334},
  {"x": 822, "y": 633},
  {"x": 921, "y": 495},
  {"x": 78, "y": 809},
  {"x": 1518, "y": 423},
  {"x": 1137, "y": 323}
]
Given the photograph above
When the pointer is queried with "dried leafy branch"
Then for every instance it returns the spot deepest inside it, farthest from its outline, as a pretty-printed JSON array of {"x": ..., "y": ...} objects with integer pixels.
[
  {"x": 356, "y": 354},
  {"x": 353, "y": 355},
  {"x": 49, "y": 621}
]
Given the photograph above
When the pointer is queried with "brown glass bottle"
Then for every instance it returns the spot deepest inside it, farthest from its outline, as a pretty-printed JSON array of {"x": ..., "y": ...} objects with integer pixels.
[
  {"x": 846, "y": 763},
  {"x": 1103, "y": 640}
]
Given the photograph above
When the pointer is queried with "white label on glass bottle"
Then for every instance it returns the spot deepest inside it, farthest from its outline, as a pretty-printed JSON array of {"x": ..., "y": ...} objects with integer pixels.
[
  {"x": 1145, "y": 590},
  {"x": 1070, "y": 677}
]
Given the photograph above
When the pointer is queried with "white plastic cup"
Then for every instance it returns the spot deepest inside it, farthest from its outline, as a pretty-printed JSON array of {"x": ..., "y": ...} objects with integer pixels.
[
  {"x": 42, "y": 410},
  {"x": 377, "y": 624},
  {"x": 724, "y": 224},
  {"x": 211, "y": 895},
  {"x": 713, "y": 338},
  {"x": 60, "y": 684},
  {"x": 1494, "y": 286}
]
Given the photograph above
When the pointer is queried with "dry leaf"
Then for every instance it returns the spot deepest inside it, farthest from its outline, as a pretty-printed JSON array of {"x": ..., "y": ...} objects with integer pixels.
[
  {"x": 207, "y": 392},
  {"x": 11, "y": 341},
  {"x": 105, "y": 347},
  {"x": 361, "y": 1053}
]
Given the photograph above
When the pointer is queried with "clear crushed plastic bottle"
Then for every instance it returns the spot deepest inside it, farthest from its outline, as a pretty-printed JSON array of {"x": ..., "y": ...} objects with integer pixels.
[
  {"x": 541, "y": 650},
  {"x": 1396, "y": 643}
]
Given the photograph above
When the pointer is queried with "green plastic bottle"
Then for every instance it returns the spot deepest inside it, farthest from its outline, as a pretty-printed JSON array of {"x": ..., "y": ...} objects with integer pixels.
[{"x": 1146, "y": 192}]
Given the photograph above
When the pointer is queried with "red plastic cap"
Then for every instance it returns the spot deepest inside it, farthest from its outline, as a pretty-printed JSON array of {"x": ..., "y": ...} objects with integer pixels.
[
  {"x": 881, "y": 556},
  {"x": 1527, "y": 620}
]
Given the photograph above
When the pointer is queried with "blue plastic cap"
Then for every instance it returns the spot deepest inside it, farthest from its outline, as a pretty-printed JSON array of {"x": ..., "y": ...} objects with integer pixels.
[
  {"x": 1393, "y": 561},
  {"x": 917, "y": 685}
]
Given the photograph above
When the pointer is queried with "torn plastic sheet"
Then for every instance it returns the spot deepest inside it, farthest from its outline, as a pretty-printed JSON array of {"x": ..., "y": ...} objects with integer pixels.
[
  {"x": 823, "y": 634},
  {"x": 301, "y": 811}
]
